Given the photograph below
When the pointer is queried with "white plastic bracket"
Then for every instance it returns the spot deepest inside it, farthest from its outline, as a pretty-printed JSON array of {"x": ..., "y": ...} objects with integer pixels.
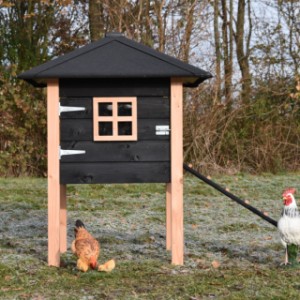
[
  {"x": 63, "y": 152},
  {"x": 70, "y": 108}
]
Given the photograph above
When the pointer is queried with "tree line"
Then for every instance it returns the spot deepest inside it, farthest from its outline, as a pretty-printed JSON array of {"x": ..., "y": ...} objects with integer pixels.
[{"x": 245, "y": 119}]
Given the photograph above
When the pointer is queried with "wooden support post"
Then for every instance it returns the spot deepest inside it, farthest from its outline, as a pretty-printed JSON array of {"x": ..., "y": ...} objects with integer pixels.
[
  {"x": 54, "y": 190},
  {"x": 168, "y": 217},
  {"x": 176, "y": 185},
  {"x": 63, "y": 219}
]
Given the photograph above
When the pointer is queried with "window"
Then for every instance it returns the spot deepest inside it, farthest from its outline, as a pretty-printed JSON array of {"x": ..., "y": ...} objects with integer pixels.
[{"x": 115, "y": 119}]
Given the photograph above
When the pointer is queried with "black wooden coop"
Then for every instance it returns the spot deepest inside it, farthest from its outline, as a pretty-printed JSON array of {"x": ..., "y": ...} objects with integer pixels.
[{"x": 114, "y": 110}]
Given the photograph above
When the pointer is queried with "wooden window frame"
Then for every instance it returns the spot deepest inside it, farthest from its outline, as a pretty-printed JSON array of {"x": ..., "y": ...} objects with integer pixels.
[{"x": 115, "y": 119}]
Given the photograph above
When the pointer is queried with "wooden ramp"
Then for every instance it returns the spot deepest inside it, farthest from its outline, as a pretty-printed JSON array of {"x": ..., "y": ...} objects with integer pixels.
[{"x": 230, "y": 195}]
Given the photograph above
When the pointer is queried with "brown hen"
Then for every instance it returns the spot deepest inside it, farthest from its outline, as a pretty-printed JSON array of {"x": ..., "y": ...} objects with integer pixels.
[{"x": 85, "y": 247}]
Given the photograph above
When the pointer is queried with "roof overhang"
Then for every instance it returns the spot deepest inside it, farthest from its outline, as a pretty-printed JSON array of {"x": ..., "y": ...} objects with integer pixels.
[{"x": 115, "y": 57}]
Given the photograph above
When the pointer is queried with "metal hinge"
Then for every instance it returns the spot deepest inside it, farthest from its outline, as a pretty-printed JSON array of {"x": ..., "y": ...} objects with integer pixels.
[
  {"x": 63, "y": 152},
  {"x": 70, "y": 108},
  {"x": 162, "y": 130}
]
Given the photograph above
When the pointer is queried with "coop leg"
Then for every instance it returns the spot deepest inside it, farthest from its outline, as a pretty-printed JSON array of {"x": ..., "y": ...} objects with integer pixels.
[
  {"x": 63, "y": 219},
  {"x": 168, "y": 217},
  {"x": 177, "y": 224},
  {"x": 176, "y": 187},
  {"x": 53, "y": 224},
  {"x": 54, "y": 192}
]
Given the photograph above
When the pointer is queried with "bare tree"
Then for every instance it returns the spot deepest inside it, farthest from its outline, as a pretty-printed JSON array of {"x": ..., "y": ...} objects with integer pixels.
[
  {"x": 290, "y": 11},
  {"x": 226, "y": 54},
  {"x": 217, "y": 53},
  {"x": 161, "y": 23},
  {"x": 96, "y": 19},
  {"x": 243, "y": 47},
  {"x": 189, "y": 16}
]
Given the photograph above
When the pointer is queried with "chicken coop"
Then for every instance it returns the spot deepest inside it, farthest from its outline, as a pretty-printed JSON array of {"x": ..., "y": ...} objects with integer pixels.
[{"x": 114, "y": 115}]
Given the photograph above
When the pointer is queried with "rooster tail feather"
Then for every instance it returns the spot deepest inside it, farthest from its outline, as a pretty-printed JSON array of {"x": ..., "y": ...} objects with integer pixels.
[{"x": 79, "y": 224}]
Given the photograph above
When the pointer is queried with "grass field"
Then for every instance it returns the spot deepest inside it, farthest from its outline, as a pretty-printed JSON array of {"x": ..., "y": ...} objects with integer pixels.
[{"x": 229, "y": 252}]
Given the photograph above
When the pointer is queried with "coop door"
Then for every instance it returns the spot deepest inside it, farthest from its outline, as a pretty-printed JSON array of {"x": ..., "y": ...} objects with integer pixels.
[{"x": 115, "y": 119}]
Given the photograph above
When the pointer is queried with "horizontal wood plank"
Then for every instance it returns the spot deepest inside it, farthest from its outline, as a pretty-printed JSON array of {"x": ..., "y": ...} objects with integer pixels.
[
  {"x": 134, "y": 172},
  {"x": 114, "y": 87},
  {"x": 143, "y": 151},
  {"x": 148, "y": 108},
  {"x": 82, "y": 129},
  {"x": 153, "y": 108}
]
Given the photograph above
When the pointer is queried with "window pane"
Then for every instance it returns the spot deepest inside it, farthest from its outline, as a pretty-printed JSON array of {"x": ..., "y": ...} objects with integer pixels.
[
  {"x": 105, "y": 109},
  {"x": 105, "y": 128},
  {"x": 124, "y": 128},
  {"x": 124, "y": 109}
]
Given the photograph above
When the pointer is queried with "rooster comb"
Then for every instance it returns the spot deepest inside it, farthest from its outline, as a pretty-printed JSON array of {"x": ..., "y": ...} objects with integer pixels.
[{"x": 289, "y": 191}]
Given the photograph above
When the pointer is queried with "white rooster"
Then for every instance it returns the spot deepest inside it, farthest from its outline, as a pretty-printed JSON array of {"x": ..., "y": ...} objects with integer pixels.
[{"x": 289, "y": 226}]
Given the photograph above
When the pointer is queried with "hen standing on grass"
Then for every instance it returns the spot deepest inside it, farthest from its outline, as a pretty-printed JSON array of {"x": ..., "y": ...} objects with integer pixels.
[
  {"x": 289, "y": 226},
  {"x": 85, "y": 247}
]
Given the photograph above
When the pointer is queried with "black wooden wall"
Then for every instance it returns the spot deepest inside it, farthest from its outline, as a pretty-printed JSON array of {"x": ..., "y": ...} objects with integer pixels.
[{"x": 146, "y": 160}]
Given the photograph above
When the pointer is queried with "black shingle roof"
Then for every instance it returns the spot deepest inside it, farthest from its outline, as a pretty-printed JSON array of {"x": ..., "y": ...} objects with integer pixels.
[{"x": 115, "y": 57}]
